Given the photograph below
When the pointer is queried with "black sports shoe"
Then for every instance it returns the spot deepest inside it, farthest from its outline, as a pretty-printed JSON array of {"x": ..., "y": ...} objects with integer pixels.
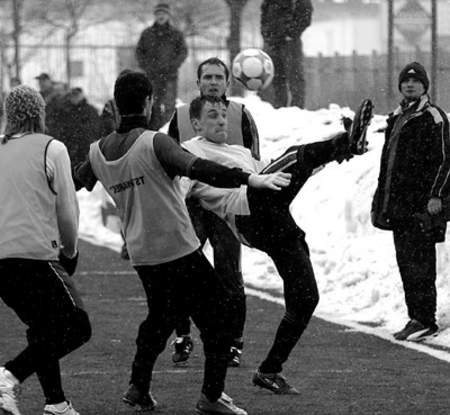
[
  {"x": 142, "y": 400},
  {"x": 415, "y": 331},
  {"x": 274, "y": 382},
  {"x": 358, "y": 129},
  {"x": 183, "y": 347},
  {"x": 234, "y": 360}
]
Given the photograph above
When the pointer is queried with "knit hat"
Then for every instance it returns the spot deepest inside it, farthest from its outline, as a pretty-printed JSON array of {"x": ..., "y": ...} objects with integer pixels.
[
  {"x": 23, "y": 103},
  {"x": 414, "y": 70},
  {"x": 43, "y": 76},
  {"x": 162, "y": 7}
]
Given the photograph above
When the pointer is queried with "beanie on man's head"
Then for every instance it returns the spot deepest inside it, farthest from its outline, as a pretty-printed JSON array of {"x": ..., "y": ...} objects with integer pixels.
[
  {"x": 21, "y": 104},
  {"x": 162, "y": 7},
  {"x": 414, "y": 70}
]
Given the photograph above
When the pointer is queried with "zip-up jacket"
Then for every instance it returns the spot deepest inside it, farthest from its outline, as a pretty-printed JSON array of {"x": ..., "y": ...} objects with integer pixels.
[{"x": 415, "y": 164}]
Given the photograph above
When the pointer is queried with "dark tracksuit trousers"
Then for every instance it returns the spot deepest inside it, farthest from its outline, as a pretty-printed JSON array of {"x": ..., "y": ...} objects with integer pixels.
[
  {"x": 271, "y": 228},
  {"x": 288, "y": 78},
  {"x": 190, "y": 284},
  {"x": 227, "y": 263},
  {"x": 44, "y": 298},
  {"x": 416, "y": 259}
]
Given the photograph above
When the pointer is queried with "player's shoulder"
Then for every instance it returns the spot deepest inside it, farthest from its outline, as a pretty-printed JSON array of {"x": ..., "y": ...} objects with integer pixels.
[
  {"x": 239, "y": 149},
  {"x": 195, "y": 145},
  {"x": 55, "y": 149},
  {"x": 234, "y": 104},
  {"x": 192, "y": 142}
]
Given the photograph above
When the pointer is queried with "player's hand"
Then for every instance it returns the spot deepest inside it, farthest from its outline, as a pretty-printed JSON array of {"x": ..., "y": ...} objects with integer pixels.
[
  {"x": 434, "y": 205},
  {"x": 274, "y": 181},
  {"x": 68, "y": 263}
]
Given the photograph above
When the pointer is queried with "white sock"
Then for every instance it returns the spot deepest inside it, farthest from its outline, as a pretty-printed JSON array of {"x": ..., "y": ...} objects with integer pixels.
[
  {"x": 60, "y": 406},
  {"x": 11, "y": 377}
]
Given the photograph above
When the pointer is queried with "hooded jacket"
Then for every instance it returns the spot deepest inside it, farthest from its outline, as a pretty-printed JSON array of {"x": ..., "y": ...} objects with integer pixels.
[{"x": 415, "y": 164}]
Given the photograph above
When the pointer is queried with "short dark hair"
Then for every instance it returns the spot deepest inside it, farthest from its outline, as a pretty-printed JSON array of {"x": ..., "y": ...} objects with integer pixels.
[
  {"x": 197, "y": 104},
  {"x": 213, "y": 61},
  {"x": 130, "y": 91},
  {"x": 124, "y": 72}
]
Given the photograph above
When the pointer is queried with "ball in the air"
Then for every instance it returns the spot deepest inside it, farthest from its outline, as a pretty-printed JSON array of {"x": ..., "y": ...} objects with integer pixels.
[{"x": 253, "y": 68}]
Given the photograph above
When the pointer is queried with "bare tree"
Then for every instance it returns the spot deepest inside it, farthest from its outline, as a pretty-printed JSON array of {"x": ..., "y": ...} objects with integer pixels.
[
  {"x": 17, "y": 8},
  {"x": 18, "y": 18},
  {"x": 73, "y": 16},
  {"x": 63, "y": 15},
  {"x": 10, "y": 30}
]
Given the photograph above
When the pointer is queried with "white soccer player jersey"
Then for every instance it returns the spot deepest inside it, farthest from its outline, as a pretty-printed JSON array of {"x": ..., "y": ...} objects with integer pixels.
[{"x": 154, "y": 216}]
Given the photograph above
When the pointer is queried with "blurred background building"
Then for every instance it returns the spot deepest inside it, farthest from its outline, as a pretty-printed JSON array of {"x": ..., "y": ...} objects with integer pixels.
[{"x": 345, "y": 48}]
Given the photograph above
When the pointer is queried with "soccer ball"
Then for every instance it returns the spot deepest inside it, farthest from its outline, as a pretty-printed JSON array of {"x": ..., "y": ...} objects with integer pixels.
[{"x": 253, "y": 68}]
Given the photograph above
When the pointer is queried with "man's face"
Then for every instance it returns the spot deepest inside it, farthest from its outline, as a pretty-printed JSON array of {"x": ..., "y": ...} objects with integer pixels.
[
  {"x": 45, "y": 84},
  {"x": 213, "y": 122},
  {"x": 76, "y": 97},
  {"x": 212, "y": 81},
  {"x": 412, "y": 89},
  {"x": 161, "y": 17}
]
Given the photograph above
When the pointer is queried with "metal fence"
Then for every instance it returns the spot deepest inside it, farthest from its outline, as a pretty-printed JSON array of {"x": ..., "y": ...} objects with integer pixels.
[{"x": 343, "y": 80}]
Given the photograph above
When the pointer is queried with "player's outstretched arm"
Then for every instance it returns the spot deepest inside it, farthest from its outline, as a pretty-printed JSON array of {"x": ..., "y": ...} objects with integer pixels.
[{"x": 274, "y": 181}]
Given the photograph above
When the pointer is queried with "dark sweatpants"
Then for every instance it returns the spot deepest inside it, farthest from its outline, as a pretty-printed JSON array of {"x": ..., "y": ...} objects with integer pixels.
[
  {"x": 164, "y": 97},
  {"x": 288, "y": 76},
  {"x": 44, "y": 298},
  {"x": 189, "y": 283},
  {"x": 227, "y": 263},
  {"x": 271, "y": 228},
  {"x": 416, "y": 259}
]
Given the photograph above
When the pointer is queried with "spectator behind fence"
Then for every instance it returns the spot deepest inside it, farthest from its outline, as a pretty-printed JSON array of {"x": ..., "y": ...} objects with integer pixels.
[
  {"x": 47, "y": 87},
  {"x": 160, "y": 52},
  {"x": 76, "y": 123},
  {"x": 282, "y": 24}
]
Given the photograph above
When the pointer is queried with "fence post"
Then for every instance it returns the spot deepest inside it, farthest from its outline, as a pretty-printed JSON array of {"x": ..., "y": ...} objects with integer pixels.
[
  {"x": 319, "y": 77},
  {"x": 355, "y": 73}
]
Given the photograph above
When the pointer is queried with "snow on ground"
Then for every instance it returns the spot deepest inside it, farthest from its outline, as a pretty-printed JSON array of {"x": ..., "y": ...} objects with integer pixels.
[{"x": 354, "y": 262}]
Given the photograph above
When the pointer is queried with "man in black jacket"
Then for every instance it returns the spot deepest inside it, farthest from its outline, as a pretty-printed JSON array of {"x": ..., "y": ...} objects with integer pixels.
[
  {"x": 160, "y": 52},
  {"x": 282, "y": 24},
  {"x": 76, "y": 123},
  {"x": 412, "y": 184}
]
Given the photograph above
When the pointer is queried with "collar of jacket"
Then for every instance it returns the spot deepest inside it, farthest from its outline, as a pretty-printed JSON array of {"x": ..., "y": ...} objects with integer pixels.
[
  {"x": 423, "y": 102},
  {"x": 162, "y": 27}
]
